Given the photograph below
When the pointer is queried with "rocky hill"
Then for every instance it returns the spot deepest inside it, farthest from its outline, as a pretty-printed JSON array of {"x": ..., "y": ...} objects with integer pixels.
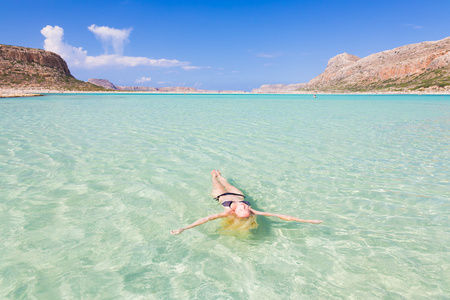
[
  {"x": 110, "y": 86},
  {"x": 278, "y": 88},
  {"x": 103, "y": 83},
  {"x": 417, "y": 67},
  {"x": 174, "y": 89},
  {"x": 28, "y": 68}
]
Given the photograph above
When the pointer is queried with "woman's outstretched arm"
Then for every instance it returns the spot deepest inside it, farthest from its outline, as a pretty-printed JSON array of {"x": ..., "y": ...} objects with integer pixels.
[
  {"x": 284, "y": 217},
  {"x": 202, "y": 221}
]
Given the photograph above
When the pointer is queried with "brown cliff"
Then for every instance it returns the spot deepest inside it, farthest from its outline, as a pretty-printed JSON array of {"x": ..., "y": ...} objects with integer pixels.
[
  {"x": 421, "y": 66},
  {"x": 28, "y": 68}
]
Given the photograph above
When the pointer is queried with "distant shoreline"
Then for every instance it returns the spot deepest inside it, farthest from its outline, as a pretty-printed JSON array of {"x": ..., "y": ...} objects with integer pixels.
[{"x": 41, "y": 92}]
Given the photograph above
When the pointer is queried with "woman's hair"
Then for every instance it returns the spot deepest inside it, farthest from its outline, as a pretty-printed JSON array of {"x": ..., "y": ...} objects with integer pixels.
[{"x": 233, "y": 225}]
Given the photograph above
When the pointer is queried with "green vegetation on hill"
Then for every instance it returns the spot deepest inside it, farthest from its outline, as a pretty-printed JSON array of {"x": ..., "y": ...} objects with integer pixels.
[{"x": 439, "y": 78}]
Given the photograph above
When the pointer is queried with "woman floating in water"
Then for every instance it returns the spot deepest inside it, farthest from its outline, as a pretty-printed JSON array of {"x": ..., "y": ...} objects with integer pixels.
[{"x": 235, "y": 207}]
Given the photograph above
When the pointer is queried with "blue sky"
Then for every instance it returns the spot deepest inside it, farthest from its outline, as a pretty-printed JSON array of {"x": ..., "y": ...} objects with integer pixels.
[{"x": 216, "y": 45}]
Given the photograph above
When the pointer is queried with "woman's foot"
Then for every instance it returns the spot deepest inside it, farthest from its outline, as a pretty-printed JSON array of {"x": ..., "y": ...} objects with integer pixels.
[
  {"x": 214, "y": 177},
  {"x": 228, "y": 187},
  {"x": 222, "y": 179}
]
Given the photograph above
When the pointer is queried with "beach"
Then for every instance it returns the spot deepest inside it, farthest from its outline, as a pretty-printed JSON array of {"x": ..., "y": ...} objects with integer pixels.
[{"x": 17, "y": 94}]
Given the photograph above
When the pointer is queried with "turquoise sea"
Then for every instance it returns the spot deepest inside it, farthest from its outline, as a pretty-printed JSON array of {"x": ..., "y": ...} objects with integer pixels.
[{"x": 92, "y": 184}]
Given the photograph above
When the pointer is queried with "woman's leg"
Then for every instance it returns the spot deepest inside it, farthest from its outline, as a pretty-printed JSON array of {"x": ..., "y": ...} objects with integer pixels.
[
  {"x": 217, "y": 187},
  {"x": 230, "y": 188}
]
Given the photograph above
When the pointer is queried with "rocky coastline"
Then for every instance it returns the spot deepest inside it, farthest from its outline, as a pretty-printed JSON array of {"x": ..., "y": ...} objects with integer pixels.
[
  {"x": 417, "y": 68},
  {"x": 104, "y": 83},
  {"x": 422, "y": 68},
  {"x": 32, "y": 69}
]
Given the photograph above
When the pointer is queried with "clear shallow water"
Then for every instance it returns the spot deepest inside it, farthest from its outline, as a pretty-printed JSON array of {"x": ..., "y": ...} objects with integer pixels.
[{"x": 91, "y": 185}]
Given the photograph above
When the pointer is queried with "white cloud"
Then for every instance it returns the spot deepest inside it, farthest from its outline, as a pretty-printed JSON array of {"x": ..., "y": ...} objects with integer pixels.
[
  {"x": 264, "y": 54},
  {"x": 143, "y": 79},
  {"x": 130, "y": 61},
  {"x": 111, "y": 37},
  {"x": 77, "y": 57},
  {"x": 190, "y": 68},
  {"x": 414, "y": 26},
  {"x": 54, "y": 42},
  {"x": 260, "y": 54},
  {"x": 267, "y": 55}
]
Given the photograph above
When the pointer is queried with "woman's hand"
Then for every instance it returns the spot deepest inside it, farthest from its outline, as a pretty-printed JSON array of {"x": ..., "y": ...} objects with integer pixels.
[
  {"x": 284, "y": 217},
  {"x": 314, "y": 221},
  {"x": 202, "y": 221}
]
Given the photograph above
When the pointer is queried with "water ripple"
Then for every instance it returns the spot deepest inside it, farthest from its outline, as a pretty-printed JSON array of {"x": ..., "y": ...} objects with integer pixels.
[{"x": 92, "y": 185}]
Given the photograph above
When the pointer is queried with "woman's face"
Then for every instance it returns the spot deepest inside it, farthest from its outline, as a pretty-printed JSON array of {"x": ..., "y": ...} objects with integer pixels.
[{"x": 242, "y": 210}]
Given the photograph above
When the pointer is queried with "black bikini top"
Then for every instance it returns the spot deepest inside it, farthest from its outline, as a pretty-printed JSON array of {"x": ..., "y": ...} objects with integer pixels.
[{"x": 228, "y": 203}]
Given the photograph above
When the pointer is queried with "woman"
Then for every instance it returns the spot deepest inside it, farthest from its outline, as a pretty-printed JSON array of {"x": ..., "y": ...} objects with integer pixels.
[{"x": 232, "y": 200}]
